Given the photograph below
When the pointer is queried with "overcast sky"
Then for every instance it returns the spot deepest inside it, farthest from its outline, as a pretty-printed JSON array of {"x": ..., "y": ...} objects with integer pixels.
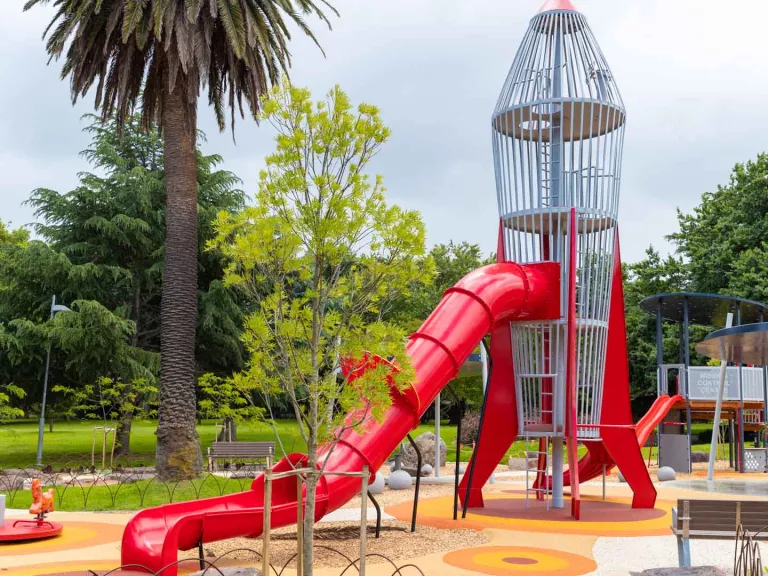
[{"x": 692, "y": 73}]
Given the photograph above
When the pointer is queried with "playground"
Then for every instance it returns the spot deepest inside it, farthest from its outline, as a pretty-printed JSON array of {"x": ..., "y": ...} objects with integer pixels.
[{"x": 559, "y": 479}]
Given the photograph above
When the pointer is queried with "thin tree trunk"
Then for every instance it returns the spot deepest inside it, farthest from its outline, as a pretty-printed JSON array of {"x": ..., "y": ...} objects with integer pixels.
[
  {"x": 309, "y": 523},
  {"x": 178, "y": 446}
]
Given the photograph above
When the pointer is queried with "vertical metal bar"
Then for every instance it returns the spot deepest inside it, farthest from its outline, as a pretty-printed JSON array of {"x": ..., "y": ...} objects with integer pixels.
[
  {"x": 741, "y": 401},
  {"x": 458, "y": 446},
  {"x": 418, "y": 482},
  {"x": 480, "y": 427},
  {"x": 571, "y": 370},
  {"x": 299, "y": 527},
  {"x": 659, "y": 379},
  {"x": 687, "y": 357},
  {"x": 378, "y": 517},
  {"x": 604, "y": 473},
  {"x": 267, "y": 517},
  {"x": 437, "y": 439},
  {"x": 364, "y": 518}
]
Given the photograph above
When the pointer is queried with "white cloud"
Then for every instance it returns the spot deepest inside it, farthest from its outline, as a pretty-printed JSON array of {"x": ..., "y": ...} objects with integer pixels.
[{"x": 692, "y": 75}]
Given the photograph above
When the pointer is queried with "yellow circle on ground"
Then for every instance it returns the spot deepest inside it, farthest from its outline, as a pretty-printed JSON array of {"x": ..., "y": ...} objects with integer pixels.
[{"x": 519, "y": 561}]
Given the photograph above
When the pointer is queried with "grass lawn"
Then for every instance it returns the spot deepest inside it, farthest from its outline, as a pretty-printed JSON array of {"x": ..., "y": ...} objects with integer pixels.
[{"x": 70, "y": 445}]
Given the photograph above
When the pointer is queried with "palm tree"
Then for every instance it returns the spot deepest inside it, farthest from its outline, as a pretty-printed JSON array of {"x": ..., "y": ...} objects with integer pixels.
[{"x": 158, "y": 55}]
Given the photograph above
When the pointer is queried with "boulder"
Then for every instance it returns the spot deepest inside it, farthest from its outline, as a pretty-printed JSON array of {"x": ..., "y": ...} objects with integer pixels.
[
  {"x": 665, "y": 474},
  {"x": 399, "y": 480},
  {"x": 426, "y": 470},
  {"x": 426, "y": 444},
  {"x": 521, "y": 464},
  {"x": 699, "y": 457},
  {"x": 378, "y": 484}
]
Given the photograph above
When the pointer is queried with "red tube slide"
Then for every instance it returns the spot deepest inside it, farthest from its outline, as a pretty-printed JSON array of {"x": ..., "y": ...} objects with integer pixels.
[
  {"x": 591, "y": 464},
  {"x": 467, "y": 312}
]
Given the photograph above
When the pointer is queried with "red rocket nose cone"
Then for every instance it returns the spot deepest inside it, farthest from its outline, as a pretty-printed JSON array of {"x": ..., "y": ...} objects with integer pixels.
[{"x": 550, "y": 5}]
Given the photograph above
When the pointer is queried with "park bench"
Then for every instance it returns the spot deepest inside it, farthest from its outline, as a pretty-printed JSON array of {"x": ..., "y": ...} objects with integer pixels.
[
  {"x": 239, "y": 451},
  {"x": 716, "y": 519}
]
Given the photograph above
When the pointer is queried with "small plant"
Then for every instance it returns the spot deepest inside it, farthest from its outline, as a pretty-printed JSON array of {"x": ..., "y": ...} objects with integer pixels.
[{"x": 470, "y": 427}]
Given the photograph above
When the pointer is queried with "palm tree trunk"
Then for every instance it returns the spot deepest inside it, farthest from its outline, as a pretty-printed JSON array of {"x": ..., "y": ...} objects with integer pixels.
[{"x": 178, "y": 446}]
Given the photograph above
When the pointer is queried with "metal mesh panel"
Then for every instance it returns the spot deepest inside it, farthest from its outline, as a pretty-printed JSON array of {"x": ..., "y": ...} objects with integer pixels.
[{"x": 558, "y": 132}]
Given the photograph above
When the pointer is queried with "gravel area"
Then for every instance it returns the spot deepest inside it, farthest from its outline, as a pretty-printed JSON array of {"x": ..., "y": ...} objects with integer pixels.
[{"x": 396, "y": 542}]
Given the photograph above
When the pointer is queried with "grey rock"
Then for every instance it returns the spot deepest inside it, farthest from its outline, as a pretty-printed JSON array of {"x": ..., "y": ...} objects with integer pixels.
[
  {"x": 426, "y": 470},
  {"x": 231, "y": 571},
  {"x": 621, "y": 476},
  {"x": 520, "y": 464},
  {"x": 378, "y": 485},
  {"x": 699, "y": 457},
  {"x": 426, "y": 444},
  {"x": 665, "y": 474},
  {"x": 399, "y": 480}
]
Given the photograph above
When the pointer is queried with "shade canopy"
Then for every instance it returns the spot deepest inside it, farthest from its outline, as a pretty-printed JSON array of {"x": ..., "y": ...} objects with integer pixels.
[
  {"x": 705, "y": 309},
  {"x": 747, "y": 344}
]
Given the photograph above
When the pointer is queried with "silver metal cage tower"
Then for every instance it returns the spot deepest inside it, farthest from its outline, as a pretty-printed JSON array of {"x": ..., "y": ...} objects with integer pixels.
[{"x": 558, "y": 132}]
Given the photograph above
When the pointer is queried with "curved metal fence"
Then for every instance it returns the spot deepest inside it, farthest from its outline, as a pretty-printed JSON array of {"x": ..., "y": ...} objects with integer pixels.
[
  {"x": 212, "y": 568},
  {"x": 85, "y": 488}
]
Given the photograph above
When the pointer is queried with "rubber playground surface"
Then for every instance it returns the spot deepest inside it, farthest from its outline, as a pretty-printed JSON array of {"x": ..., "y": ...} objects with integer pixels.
[{"x": 611, "y": 538}]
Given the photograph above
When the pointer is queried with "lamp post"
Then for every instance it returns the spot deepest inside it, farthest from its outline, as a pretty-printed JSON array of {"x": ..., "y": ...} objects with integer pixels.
[{"x": 54, "y": 308}]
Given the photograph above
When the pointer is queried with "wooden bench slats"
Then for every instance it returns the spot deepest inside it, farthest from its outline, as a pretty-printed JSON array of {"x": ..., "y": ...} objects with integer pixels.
[{"x": 240, "y": 450}]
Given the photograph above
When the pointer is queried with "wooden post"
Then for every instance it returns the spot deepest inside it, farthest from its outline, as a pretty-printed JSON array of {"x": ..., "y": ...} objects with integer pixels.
[
  {"x": 112, "y": 454},
  {"x": 299, "y": 527},
  {"x": 364, "y": 518},
  {"x": 104, "y": 447},
  {"x": 93, "y": 447},
  {"x": 267, "y": 517}
]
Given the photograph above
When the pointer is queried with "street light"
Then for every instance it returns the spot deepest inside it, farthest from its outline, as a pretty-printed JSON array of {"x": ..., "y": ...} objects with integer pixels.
[{"x": 54, "y": 308}]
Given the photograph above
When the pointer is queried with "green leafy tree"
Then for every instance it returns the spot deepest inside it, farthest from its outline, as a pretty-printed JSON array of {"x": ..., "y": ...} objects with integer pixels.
[
  {"x": 226, "y": 400},
  {"x": 106, "y": 243},
  {"x": 159, "y": 55},
  {"x": 724, "y": 238},
  {"x": 318, "y": 254}
]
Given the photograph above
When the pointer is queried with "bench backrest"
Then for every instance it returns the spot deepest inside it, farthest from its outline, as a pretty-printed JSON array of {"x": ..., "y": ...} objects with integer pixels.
[
  {"x": 242, "y": 449},
  {"x": 721, "y": 518}
]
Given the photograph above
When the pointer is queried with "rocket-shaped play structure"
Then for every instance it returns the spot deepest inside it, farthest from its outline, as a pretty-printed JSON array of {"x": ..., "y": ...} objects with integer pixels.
[{"x": 552, "y": 305}]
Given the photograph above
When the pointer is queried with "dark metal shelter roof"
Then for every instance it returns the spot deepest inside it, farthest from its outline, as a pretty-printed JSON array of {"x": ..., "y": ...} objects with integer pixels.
[
  {"x": 747, "y": 344},
  {"x": 704, "y": 309}
]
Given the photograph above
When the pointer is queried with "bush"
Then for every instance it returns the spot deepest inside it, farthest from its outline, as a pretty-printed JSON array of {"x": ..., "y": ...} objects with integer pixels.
[{"x": 470, "y": 427}]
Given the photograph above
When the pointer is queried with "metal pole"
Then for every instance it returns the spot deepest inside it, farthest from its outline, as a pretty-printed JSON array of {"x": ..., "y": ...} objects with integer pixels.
[
  {"x": 437, "y": 439},
  {"x": 480, "y": 428},
  {"x": 363, "y": 519},
  {"x": 659, "y": 363},
  {"x": 458, "y": 453},
  {"x": 604, "y": 471},
  {"x": 557, "y": 473},
  {"x": 41, "y": 428},
  {"x": 484, "y": 364},
  {"x": 418, "y": 482},
  {"x": 741, "y": 402},
  {"x": 687, "y": 356},
  {"x": 718, "y": 406}
]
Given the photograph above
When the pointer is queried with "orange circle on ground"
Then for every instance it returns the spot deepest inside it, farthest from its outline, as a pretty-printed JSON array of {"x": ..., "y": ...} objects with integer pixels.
[
  {"x": 507, "y": 511},
  {"x": 75, "y": 535},
  {"x": 520, "y": 561}
]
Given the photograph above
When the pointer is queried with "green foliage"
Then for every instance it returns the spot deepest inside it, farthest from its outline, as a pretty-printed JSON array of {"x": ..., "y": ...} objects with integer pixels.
[
  {"x": 724, "y": 238},
  {"x": 321, "y": 255},
  {"x": 7, "y": 411},
  {"x": 139, "y": 51},
  {"x": 111, "y": 398},
  {"x": 225, "y": 399}
]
